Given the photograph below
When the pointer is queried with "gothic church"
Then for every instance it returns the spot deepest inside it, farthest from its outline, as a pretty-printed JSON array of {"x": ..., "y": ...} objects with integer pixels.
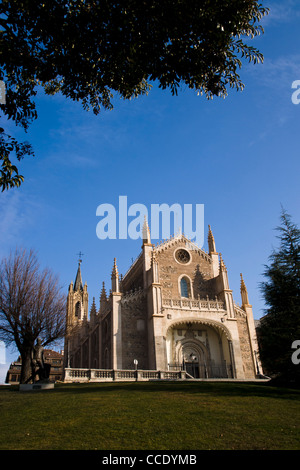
[{"x": 172, "y": 310}]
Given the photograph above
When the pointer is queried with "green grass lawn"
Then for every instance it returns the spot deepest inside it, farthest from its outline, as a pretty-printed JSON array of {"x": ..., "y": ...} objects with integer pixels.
[{"x": 151, "y": 416}]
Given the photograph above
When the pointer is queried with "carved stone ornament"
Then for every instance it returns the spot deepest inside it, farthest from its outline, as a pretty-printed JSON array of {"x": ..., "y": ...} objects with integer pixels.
[{"x": 182, "y": 256}]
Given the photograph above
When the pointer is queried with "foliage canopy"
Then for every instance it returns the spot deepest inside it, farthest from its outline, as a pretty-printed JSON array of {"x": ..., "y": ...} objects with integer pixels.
[{"x": 90, "y": 50}]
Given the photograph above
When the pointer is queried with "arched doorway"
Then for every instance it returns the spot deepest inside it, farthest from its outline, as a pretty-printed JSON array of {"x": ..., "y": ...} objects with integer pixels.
[
  {"x": 200, "y": 347},
  {"x": 194, "y": 360}
]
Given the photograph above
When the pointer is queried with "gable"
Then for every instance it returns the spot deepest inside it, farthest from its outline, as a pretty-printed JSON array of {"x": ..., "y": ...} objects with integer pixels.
[{"x": 178, "y": 258}]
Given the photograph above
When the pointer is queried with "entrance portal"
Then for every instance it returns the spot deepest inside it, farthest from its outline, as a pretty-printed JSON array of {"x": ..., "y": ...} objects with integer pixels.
[
  {"x": 201, "y": 349},
  {"x": 193, "y": 360},
  {"x": 192, "y": 368}
]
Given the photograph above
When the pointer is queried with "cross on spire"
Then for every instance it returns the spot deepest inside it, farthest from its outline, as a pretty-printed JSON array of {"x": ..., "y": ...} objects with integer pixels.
[{"x": 80, "y": 256}]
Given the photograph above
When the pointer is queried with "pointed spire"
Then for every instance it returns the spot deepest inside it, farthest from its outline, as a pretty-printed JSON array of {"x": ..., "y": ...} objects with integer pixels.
[
  {"x": 78, "y": 281},
  {"x": 93, "y": 310},
  {"x": 103, "y": 299},
  {"x": 103, "y": 292},
  {"x": 115, "y": 277},
  {"x": 146, "y": 232},
  {"x": 93, "y": 307},
  {"x": 211, "y": 242},
  {"x": 115, "y": 269},
  {"x": 244, "y": 293},
  {"x": 222, "y": 264}
]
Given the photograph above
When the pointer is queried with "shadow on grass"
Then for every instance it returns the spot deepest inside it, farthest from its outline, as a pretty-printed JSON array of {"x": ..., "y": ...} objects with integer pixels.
[{"x": 230, "y": 389}]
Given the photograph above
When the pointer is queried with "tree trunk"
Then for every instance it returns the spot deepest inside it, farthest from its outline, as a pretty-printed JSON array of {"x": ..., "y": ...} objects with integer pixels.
[{"x": 26, "y": 371}]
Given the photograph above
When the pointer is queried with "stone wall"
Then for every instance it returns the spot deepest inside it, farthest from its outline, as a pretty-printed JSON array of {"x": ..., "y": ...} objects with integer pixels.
[
  {"x": 94, "y": 353},
  {"x": 198, "y": 270},
  {"x": 106, "y": 345},
  {"x": 245, "y": 347},
  {"x": 134, "y": 331}
]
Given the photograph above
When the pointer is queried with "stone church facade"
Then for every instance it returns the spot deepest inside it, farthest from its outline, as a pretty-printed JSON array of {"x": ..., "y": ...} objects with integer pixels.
[{"x": 172, "y": 310}]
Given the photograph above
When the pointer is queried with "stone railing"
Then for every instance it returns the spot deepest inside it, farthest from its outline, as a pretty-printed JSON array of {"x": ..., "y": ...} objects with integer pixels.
[
  {"x": 133, "y": 295},
  {"x": 132, "y": 265},
  {"x": 110, "y": 375},
  {"x": 193, "y": 304}
]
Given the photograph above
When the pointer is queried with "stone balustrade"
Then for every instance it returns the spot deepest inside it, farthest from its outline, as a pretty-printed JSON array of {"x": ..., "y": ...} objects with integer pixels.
[
  {"x": 110, "y": 375},
  {"x": 193, "y": 304}
]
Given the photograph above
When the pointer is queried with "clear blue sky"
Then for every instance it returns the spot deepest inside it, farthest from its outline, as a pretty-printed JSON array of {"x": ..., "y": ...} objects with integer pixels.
[{"x": 239, "y": 157}]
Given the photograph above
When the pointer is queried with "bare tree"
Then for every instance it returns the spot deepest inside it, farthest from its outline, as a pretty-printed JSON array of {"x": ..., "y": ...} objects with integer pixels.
[{"x": 31, "y": 306}]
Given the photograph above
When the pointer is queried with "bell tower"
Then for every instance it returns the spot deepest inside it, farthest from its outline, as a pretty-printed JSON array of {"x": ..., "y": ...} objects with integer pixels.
[{"x": 77, "y": 302}]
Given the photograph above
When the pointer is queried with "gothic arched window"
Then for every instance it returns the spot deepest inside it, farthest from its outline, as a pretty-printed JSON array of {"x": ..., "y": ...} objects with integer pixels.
[
  {"x": 185, "y": 287},
  {"x": 77, "y": 310}
]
